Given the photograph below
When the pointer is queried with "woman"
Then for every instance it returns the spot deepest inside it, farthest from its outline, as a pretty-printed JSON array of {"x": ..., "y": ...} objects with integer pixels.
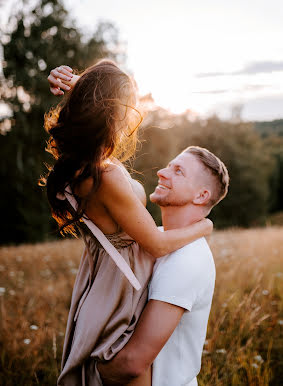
[{"x": 91, "y": 131}]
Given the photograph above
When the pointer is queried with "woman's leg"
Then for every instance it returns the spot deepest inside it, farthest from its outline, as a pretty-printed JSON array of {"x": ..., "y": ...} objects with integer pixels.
[{"x": 143, "y": 380}]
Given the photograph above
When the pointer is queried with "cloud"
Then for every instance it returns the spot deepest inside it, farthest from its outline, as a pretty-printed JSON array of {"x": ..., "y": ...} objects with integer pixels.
[
  {"x": 256, "y": 109},
  {"x": 255, "y": 87},
  {"x": 247, "y": 87},
  {"x": 250, "y": 69},
  {"x": 261, "y": 67},
  {"x": 212, "y": 92}
]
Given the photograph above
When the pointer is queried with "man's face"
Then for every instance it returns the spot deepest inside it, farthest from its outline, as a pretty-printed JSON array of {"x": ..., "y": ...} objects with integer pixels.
[{"x": 180, "y": 182}]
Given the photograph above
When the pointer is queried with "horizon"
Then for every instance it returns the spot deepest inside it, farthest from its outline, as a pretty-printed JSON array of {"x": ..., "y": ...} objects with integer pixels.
[{"x": 213, "y": 59}]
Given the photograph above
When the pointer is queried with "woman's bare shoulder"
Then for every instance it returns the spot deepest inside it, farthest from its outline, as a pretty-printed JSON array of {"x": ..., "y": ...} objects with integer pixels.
[{"x": 112, "y": 177}]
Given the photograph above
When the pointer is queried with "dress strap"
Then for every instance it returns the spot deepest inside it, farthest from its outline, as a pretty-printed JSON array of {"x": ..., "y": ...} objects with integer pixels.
[{"x": 109, "y": 248}]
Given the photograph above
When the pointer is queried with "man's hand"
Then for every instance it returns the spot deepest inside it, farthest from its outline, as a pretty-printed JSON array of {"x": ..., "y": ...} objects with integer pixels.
[{"x": 58, "y": 78}]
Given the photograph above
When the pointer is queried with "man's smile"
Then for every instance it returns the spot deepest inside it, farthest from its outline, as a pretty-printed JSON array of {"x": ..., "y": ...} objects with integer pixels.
[{"x": 162, "y": 186}]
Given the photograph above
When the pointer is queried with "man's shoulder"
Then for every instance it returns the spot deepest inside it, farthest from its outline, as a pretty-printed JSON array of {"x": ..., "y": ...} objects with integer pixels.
[
  {"x": 183, "y": 274},
  {"x": 198, "y": 247},
  {"x": 195, "y": 256}
]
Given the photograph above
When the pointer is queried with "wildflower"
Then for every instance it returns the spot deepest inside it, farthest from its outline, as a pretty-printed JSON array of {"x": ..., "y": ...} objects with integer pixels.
[
  {"x": 12, "y": 292},
  {"x": 45, "y": 273},
  {"x": 27, "y": 341},
  {"x": 2, "y": 291},
  {"x": 33, "y": 327},
  {"x": 206, "y": 342},
  {"x": 12, "y": 273},
  {"x": 265, "y": 292},
  {"x": 280, "y": 322},
  {"x": 221, "y": 351},
  {"x": 205, "y": 352},
  {"x": 258, "y": 358},
  {"x": 255, "y": 365},
  {"x": 21, "y": 282}
]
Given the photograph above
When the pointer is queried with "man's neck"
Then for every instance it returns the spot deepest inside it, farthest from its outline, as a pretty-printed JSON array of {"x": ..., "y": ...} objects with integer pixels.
[{"x": 174, "y": 217}]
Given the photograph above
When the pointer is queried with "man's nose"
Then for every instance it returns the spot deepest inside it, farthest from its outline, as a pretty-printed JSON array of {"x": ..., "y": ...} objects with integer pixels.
[{"x": 163, "y": 173}]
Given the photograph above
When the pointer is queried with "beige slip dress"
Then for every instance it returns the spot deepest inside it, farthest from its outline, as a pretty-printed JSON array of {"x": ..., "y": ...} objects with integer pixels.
[{"x": 109, "y": 294}]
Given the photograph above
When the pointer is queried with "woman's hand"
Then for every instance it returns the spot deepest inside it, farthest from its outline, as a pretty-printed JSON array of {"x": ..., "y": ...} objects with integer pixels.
[
  {"x": 61, "y": 78},
  {"x": 208, "y": 226}
]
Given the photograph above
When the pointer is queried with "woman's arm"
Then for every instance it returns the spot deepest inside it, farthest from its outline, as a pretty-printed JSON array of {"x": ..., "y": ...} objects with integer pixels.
[
  {"x": 61, "y": 78},
  {"x": 116, "y": 194}
]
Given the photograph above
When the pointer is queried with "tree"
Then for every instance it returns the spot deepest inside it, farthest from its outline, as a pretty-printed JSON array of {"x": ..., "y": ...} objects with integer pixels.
[
  {"x": 272, "y": 134},
  {"x": 36, "y": 40},
  {"x": 249, "y": 164},
  {"x": 248, "y": 160}
]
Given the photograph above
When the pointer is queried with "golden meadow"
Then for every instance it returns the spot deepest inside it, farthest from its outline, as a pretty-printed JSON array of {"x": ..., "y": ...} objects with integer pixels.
[{"x": 244, "y": 344}]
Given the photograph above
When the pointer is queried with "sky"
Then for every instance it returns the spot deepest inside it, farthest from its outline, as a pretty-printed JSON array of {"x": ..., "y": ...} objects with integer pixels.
[{"x": 208, "y": 56}]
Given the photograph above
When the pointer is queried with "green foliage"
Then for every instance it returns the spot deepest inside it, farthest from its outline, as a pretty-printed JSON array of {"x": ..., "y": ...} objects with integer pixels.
[
  {"x": 37, "y": 39},
  {"x": 270, "y": 128},
  {"x": 272, "y": 133},
  {"x": 248, "y": 160},
  {"x": 274, "y": 145}
]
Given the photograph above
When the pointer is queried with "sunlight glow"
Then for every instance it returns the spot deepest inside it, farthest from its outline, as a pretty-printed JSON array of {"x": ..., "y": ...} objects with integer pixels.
[{"x": 171, "y": 45}]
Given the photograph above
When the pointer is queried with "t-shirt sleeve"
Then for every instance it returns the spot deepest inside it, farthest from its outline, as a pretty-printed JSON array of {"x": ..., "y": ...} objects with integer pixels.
[{"x": 180, "y": 278}]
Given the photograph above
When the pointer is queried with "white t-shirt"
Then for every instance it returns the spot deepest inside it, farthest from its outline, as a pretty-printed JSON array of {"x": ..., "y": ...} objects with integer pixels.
[{"x": 185, "y": 278}]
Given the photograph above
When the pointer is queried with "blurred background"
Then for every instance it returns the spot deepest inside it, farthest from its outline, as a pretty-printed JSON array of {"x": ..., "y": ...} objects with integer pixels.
[{"x": 209, "y": 74}]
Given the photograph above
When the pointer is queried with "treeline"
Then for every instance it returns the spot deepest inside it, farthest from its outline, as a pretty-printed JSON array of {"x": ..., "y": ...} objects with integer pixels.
[
  {"x": 270, "y": 128},
  {"x": 252, "y": 152},
  {"x": 41, "y": 37}
]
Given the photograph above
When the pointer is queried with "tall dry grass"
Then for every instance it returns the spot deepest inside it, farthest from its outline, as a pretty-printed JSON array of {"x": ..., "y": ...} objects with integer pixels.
[{"x": 244, "y": 343}]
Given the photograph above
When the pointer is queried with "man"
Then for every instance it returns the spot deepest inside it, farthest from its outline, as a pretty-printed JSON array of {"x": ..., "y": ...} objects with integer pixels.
[{"x": 172, "y": 328}]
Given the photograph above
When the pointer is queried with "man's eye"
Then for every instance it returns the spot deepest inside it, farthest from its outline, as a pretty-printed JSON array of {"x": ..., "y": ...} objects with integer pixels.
[{"x": 179, "y": 171}]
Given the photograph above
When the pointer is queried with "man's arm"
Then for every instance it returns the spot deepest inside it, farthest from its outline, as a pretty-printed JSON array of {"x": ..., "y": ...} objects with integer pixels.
[{"x": 154, "y": 328}]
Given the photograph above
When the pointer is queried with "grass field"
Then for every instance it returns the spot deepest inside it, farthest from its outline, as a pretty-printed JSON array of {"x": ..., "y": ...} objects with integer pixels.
[{"x": 244, "y": 343}]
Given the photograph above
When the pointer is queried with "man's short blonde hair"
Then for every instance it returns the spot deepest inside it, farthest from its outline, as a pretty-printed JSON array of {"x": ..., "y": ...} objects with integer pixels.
[{"x": 217, "y": 170}]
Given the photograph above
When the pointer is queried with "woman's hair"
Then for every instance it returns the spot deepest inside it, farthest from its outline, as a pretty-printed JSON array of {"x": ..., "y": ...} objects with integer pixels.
[{"x": 97, "y": 120}]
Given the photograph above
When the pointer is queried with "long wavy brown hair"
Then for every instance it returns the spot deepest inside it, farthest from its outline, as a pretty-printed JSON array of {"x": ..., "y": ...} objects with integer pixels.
[{"x": 96, "y": 121}]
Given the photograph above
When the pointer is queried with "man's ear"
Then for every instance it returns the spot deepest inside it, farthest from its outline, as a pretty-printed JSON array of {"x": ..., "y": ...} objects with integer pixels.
[{"x": 203, "y": 197}]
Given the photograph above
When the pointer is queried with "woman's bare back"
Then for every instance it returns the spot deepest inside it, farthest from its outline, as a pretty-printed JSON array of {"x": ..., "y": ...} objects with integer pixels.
[{"x": 96, "y": 211}]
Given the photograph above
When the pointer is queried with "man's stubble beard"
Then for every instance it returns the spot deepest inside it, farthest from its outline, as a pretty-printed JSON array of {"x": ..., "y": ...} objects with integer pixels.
[{"x": 165, "y": 201}]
